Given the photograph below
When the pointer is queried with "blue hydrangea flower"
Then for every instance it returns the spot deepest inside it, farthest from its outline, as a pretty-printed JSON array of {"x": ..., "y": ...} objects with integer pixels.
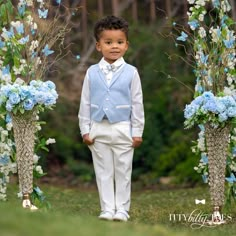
[
  {"x": 28, "y": 104},
  {"x": 190, "y": 110}
]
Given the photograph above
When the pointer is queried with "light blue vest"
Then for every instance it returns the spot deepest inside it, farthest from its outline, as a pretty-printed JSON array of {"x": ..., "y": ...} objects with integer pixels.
[{"x": 113, "y": 100}]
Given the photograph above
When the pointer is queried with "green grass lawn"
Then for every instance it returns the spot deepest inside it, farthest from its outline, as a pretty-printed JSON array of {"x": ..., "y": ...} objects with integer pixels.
[{"x": 75, "y": 211}]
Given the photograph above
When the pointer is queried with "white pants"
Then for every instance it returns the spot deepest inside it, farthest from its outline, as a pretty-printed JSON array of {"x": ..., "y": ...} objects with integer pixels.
[{"x": 112, "y": 154}]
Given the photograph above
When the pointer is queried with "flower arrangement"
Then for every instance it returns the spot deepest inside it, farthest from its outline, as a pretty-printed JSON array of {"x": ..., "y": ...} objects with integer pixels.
[
  {"x": 209, "y": 108},
  {"x": 27, "y": 35},
  {"x": 212, "y": 55},
  {"x": 21, "y": 98}
]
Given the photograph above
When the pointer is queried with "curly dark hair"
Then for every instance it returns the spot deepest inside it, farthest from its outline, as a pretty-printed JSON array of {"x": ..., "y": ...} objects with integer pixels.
[{"x": 109, "y": 23}]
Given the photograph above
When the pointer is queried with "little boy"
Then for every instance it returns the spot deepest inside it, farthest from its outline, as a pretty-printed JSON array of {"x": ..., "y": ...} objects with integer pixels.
[{"x": 111, "y": 117}]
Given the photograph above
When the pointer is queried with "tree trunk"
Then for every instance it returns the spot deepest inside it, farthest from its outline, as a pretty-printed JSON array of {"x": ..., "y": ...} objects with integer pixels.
[
  {"x": 84, "y": 25},
  {"x": 100, "y": 8},
  {"x": 168, "y": 9},
  {"x": 152, "y": 10},
  {"x": 135, "y": 11},
  {"x": 115, "y": 7},
  {"x": 233, "y": 5}
]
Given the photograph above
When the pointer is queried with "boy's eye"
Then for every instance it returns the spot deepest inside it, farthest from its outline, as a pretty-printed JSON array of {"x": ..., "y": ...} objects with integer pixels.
[
  {"x": 120, "y": 42},
  {"x": 108, "y": 42}
]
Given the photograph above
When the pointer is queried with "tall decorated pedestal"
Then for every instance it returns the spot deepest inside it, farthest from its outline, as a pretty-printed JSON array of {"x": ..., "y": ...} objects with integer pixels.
[
  {"x": 24, "y": 129},
  {"x": 211, "y": 39},
  {"x": 27, "y": 34},
  {"x": 217, "y": 144}
]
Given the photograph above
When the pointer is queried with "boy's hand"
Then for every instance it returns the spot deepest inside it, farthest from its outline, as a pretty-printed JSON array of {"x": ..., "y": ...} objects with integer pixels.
[
  {"x": 137, "y": 141},
  {"x": 87, "y": 140}
]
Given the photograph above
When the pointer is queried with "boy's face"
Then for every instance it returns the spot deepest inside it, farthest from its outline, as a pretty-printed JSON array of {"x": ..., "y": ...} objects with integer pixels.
[{"x": 112, "y": 44}]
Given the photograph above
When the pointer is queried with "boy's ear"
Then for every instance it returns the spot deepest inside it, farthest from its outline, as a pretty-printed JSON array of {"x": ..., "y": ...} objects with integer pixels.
[
  {"x": 98, "y": 47},
  {"x": 127, "y": 44}
]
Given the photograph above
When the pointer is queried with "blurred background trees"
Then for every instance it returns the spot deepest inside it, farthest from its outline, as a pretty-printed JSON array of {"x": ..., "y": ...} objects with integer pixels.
[{"x": 166, "y": 150}]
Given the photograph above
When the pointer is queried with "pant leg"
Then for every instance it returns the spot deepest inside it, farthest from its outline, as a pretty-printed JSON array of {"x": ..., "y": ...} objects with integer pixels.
[
  {"x": 123, "y": 158},
  {"x": 102, "y": 156}
]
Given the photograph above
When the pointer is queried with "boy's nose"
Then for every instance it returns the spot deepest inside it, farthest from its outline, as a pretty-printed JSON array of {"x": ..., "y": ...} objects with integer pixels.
[{"x": 114, "y": 45}]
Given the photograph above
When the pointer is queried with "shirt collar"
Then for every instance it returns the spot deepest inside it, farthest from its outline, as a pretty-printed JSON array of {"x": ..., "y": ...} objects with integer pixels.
[{"x": 103, "y": 64}]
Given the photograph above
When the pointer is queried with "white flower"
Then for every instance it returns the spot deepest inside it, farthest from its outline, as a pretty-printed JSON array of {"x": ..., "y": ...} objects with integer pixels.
[
  {"x": 50, "y": 141},
  {"x": 201, "y": 17},
  {"x": 19, "y": 81},
  {"x": 36, "y": 158},
  {"x": 9, "y": 126},
  {"x": 215, "y": 34},
  {"x": 202, "y": 32},
  {"x": 39, "y": 169},
  {"x": 38, "y": 127},
  {"x": 19, "y": 195},
  {"x": 200, "y": 2},
  {"x": 34, "y": 45},
  {"x": 226, "y": 6}
]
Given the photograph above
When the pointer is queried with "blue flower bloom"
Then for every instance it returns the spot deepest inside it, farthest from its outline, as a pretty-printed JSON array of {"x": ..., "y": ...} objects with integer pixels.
[
  {"x": 8, "y": 118},
  {"x": 201, "y": 127},
  {"x": 205, "y": 178},
  {"x": 203, "y": 58},
  {"x": 234, "y": 151},
  {"x": 223, "y": 117},
  {"x": 14, "y": 98},
  {"x": 190, "y": 110},
  {"x": 28, "y": 104},
  {"x": 183, "y": 37},
  {"x": 21, "y": 10},
  {"x": 204, "y": 158},
  {"x": 198, "y": 100},
  {"x": 20, "y": 29},
  {"x": 231, "y": 111},
  {"x": 229, "y": 43},
  {"x": 4, "y": 160},
  {"x": 210, "y": 105},
  {"x": 216, "y": 3},
  {"x": 50, "y": 85},
  {"x": 24, "y": 92},
  {"x": 193, "y": 24},
  {"x": 2, "y": 44},
  {"x": 24, "y": 40},
  {"x": 40, "y": 97},
  {"x": 43, "y": 13},
  {"x": 231, "y": 179},
  {"x": 6, "y": 70},
  {"x": 46, "y": 51},
  {"x": 208, "y": 95},
  {"x": 50, "y": 100},
  {"x": 220, "y": 106},
  {"x": 9, "y": 106},
  {"x": 10, "y": 33}
]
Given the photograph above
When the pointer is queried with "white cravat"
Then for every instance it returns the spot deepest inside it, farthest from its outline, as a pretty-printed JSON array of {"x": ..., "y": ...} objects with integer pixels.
[{"x": 110, "y": 69}]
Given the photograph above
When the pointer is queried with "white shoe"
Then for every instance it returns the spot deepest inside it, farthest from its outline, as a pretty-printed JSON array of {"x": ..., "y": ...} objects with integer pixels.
[
  {"x": 27, "y": 204},
  {"x": 121, "y": 216},
  {"x": 106, "y": 215}
]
